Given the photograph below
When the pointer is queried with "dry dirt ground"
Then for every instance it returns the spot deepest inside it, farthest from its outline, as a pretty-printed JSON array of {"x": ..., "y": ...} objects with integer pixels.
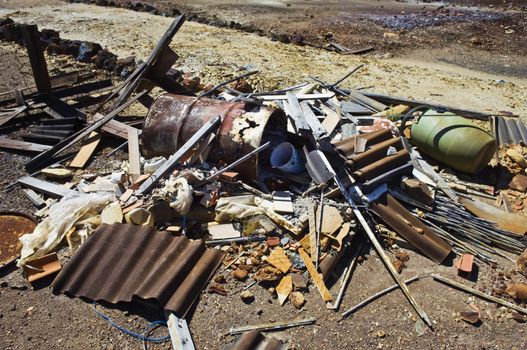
[
  {"x": 489, "y": 36},
  {"x": 37, "y": 319}
]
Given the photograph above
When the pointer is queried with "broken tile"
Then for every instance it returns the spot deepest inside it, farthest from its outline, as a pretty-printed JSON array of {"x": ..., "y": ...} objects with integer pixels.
[
  {"x": 279, "y": 259},
  {"x": 284, "y": 288},
  {"x": 297, "y": 299},
  {"x": 222, "y": 231}
]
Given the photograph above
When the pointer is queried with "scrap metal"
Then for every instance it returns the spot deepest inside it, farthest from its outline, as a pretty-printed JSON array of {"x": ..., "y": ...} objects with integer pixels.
[
  {"x": 169, "y": 165},
  {"x": 274, "y": 326},
  {"x": 255, "y": 340},
  {"x": 119, "y": 262},
  {"x": 377, "y": 295}
]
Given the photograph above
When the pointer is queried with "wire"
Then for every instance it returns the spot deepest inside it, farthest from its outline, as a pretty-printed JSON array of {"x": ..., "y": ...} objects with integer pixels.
[{"x": 132, "y": 333}]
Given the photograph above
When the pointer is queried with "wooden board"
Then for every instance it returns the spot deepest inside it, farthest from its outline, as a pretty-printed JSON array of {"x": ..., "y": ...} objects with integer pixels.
[
  {"x": 48, "y": 188},
  {"x": 115, "y": 127},
  {"x": 22, "y": 145},
  {"x": 133, "y": 153},
  {"x": 86, "y": 151},
  {"x": 319, "y": 282},
  {"x": 332, "y": 119}
]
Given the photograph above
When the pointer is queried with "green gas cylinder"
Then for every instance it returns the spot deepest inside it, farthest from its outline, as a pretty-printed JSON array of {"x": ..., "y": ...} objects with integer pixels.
[{"x": 453, "y": 140}]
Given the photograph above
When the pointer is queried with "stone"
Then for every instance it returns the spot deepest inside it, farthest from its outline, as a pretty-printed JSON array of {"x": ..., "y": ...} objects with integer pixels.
[
  {"x": 516, "y": 157},
  {"x": 297, "y": 299},
  {"x": 247, "y": 296},
  {"x": 519, "y": 183},
  {"x": 240, "y": 274}
]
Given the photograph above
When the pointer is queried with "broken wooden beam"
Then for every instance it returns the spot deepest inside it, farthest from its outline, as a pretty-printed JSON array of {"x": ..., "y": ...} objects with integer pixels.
[
  {"x": 22, "y": 145},
  {"x": 49, "y": 188},
  {"x": 36, "y": 58}
]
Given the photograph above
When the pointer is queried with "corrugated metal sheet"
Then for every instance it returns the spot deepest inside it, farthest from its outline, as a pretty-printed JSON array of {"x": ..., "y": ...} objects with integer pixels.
[
  {"x": 410, "y": 228},
  {"x": 254, "y": 340},
  {"x": 509, "y": 131},
  {"x": 120, "y": 262}
]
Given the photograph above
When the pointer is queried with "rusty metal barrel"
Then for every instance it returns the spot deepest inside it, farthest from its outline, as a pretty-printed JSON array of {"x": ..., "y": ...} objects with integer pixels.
[{"x": 173, "y": 119}]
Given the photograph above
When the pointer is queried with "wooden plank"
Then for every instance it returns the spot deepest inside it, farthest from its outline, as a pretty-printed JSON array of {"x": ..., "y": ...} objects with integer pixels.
[
  {"x": 115, "y": 127},
  {"x": 86, "y": 151},
  {"x": 319, "y": 282},
  {"x": 45, "y": 187},
  {"x": 22, "y": 145},
  {"x": 10, "y": 114},
  {"x": 332, "y": 119},
  {"x": 312, "y": 120},
  {"x": 133, "y": 153},
  {"x": 36, "y": 58},
  {"x": 35, "y": 198},
  {"x": 46, "y": 156}
]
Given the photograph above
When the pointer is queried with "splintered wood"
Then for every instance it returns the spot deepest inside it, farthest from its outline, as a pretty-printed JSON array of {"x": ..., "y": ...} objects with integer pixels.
[
  {"x": 319, "y": 282},
  {"x": 86, "y": 151},
  {"x": 284, "y": 288},
  {"x": 278, "y": 259},
  {"x": 134, "y": 153}
]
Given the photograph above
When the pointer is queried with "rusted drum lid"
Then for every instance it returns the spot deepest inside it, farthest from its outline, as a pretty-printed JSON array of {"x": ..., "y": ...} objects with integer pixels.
[{"x": 12, "y": 226}]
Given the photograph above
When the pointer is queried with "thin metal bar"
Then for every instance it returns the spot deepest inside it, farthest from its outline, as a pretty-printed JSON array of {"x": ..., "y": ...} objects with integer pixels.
[
  {"x": 384, "y": 257},
  {"x": 219, "y": 86},
  {"x": 236, "y": 163},
  {"x": 273, "y": 326},
  {"x": 478, "y": 293},
  {"x": 169, "y": 165},
  {"x": 347, "y": 277},
  {"x": 377, "y": 295}
]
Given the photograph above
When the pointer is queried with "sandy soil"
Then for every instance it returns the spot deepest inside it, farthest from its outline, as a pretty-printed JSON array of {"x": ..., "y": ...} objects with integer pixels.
[
  {"x": 37, "y": 319},
  {"x": 216, "y": 53}
]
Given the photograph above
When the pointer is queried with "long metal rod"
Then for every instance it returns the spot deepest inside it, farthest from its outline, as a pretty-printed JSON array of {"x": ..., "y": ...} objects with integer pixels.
[
  {"x": 236, "y": 163},
  {"x": 345, "y": 281},
  {"x": 377, "y": 295},
  {"x": 477, "y": 293},
  {"x": 219, "y": 86},
  {"x": 169, "y": 165},
  {"x": 346, "y": 76},
  {"x": 384, "y": 257},
  {"x": 273, "y": 326},
  {"x": 319, "y": 229}
]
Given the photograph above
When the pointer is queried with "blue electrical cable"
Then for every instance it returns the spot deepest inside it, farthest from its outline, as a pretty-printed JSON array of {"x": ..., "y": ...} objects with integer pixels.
[{"x": 132, "y": 333}]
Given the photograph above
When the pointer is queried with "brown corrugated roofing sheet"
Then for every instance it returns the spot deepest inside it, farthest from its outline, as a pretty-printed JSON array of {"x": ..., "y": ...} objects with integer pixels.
[
  {"x": 120, "y": 262},
  {"x": 411, "y": 228},
  {"x": 255, "y": 340}
]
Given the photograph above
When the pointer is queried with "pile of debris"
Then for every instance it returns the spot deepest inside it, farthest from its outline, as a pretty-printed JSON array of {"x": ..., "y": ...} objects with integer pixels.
[{"x": 276, "y": 187}]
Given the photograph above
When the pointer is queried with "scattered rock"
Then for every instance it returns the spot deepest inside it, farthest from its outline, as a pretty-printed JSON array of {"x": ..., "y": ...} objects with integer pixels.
[
  {"x": 219, "y": 279},
  {"x": 299, "y": 282},
  {"x": 218, "y": 289},
  {"x": 471, "y": 317},
  {"x": 247, "y": 296},
  {"x": 475, "y": 40},
  {"x": 297, "y": 299},
  {"x": 267, "y": 273},
  {"x": 516, "y": 157},
  {"x": 518, "y": 291},
  {"x": 240, "y": 274},
  {"x": 519, "y": 183}
]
